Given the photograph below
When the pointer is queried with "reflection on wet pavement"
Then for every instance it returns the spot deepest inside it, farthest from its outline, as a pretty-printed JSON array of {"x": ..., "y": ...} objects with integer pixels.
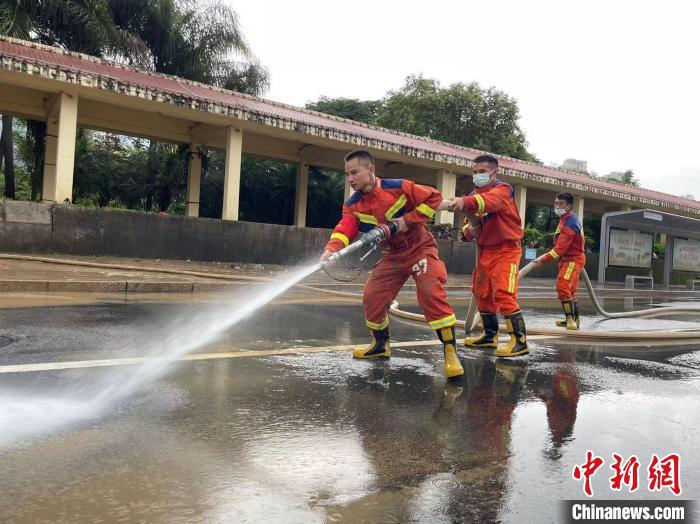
[{"x": 321, "y": 437}]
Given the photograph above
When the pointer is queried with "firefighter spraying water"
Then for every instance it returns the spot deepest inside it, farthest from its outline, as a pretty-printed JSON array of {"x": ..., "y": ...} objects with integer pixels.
[{"x": 395, "y": 211}]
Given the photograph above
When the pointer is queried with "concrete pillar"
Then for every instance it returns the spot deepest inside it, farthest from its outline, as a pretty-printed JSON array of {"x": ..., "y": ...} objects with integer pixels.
[
  {"x": 447, "y": 185},
  {"x": 625, "y": 207},
  {"x": 194, "y": 177},
  {"x": 521, "y": 201},
  {"x": 301, "y": 194},
  {"x": 663, "y": 239},
  {"x": 668, "y": 261},
  {"x": 59, "y": 158},
  {"x": 578, "y": 207},
  {"x": 232, "y": 173}
]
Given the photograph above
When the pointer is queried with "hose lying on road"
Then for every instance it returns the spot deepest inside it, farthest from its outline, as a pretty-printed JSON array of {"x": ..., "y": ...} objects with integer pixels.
[
  {"x": 657, "y": 335},
  {"x": 169, "y": 271},
  {"x": 646, "y": 313},
  {"x": 676, "y": 335}
]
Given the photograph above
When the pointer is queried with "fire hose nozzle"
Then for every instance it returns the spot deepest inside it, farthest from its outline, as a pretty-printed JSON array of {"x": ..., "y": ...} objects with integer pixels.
[{"x": 371, "y": 239}]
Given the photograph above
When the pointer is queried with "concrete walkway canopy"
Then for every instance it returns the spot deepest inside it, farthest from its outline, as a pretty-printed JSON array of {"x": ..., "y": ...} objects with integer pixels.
[
  {"x": 627, "y": 238},
  {"x": 71, "y": 90}
]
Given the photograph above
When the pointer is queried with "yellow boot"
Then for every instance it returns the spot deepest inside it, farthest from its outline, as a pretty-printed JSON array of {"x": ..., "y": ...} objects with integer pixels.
[
  {"x": 453, "y": 367},
  {"x": 517, "y": 345},
  {"x": 510, "y": 383},
  {"x": 514, "y": 373},
  {"x": 490, "y": 337},
  {"x": 378, "y": 347},
  {"x": 572, "y": 321}
]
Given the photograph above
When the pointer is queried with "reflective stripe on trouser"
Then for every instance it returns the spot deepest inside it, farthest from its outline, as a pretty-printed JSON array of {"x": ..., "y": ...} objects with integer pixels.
[
  {"x": 567, "y": 279},
  {"x": 378, "y": 326},
  {"x": 389, "y": 276},
  {"x": 495, "y": 280}
]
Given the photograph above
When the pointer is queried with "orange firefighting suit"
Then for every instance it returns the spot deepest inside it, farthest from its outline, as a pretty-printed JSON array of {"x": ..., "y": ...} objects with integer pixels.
[
  {"x": 411, "y": 253},
  {"x": 562, "y": 399},
  {"x": 495, "y": 278},
  {"x": 491, "y": 402},
  {"x": 569, "y": 250},
  {"x": 561, "y": 409}
]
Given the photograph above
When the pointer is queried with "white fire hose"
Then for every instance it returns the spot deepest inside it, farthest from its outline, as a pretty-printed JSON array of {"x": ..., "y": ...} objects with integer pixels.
[{"x": 473, "y": 320}]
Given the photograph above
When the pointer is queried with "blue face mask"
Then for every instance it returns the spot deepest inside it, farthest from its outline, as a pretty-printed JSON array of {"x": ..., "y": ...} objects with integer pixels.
[{"x": 482, "y": 179}]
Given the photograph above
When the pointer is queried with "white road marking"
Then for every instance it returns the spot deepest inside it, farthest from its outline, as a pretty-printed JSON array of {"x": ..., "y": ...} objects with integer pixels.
[{"x": 77, "y": 364}]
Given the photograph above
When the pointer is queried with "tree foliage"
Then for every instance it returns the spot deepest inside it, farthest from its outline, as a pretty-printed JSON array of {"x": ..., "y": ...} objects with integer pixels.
[
  {"x": 462, "y": 114},
  {"x": 79, "y": 25},
  {"x": 268, "y": 188},
  {"x": 628, "y": 178},
  {"x": 195, "y": 40},
  {"x": 85, "y": 26},
  {"x": 352, "y": 108}
]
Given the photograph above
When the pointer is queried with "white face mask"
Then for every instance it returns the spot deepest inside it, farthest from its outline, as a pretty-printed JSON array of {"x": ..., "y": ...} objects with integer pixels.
[
  {"x": 482, "y": 179},
  {"x": 560, "y": 211}
]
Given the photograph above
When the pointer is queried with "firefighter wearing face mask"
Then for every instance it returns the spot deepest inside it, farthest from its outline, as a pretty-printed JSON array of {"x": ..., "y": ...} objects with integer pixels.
[
  {"x": 569, "y": 251},
  {"x": 495, "y": 279}
]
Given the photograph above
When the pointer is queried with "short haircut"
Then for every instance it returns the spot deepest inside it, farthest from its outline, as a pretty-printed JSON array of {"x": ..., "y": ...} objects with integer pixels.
[
  {"x": 568, "y": 197},
  {"x": 487, "y": 159},
  {"x": 362, "y": 154}
]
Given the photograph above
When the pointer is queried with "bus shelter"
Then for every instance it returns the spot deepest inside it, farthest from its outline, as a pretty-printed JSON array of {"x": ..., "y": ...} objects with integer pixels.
[{"x": 627, "y": 242}]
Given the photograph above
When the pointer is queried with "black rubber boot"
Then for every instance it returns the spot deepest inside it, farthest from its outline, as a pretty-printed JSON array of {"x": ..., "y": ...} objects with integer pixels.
[
  {"x": 517, "y": 345},
  {"x": 571, "y": 321},
  {"x": 489, "y": 339},
  {"x": 378, "y": 347}
]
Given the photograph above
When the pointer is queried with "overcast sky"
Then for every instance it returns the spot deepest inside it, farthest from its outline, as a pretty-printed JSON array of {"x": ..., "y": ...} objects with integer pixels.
[{"x": 613, "y": 82}]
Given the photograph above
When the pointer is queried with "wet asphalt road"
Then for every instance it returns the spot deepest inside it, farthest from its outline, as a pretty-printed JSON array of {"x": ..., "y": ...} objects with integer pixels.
[{"x": 317, "y": 437}]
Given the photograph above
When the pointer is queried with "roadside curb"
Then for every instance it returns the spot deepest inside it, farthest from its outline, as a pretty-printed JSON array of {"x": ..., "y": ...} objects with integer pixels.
[{"x": 199, "y": 286}]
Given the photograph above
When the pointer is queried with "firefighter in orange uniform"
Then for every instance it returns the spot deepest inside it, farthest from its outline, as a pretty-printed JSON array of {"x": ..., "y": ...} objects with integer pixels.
[
  {"x": 412, "y": 251},
  {"x": 570, "y": 252},
  {"x": 495, "y": 279}
]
